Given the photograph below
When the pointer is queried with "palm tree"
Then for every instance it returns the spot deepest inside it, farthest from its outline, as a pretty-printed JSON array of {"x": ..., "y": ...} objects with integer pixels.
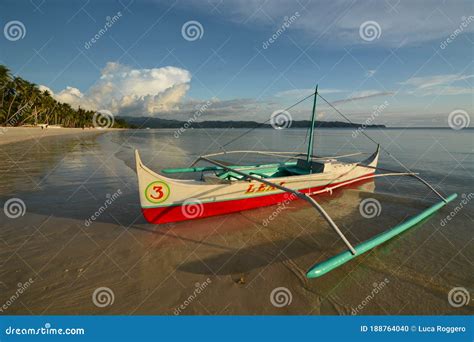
[
  {"x": 5, "y": 78},
  {"x": 23, "y": 102}
]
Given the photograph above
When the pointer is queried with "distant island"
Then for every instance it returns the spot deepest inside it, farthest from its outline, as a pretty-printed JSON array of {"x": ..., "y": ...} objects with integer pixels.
[{"x": 147, "y": 122}]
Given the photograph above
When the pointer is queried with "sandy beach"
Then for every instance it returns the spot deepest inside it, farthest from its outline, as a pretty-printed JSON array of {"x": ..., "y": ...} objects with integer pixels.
[
  {"x": 10, "y": 135},
  {"x": 60, "y": 258}
]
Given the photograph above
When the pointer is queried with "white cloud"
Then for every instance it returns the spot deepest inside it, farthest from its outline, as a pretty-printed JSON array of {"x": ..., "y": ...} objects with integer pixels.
[
  {"x": 45, "y": 88},
  {"x": 439, "y": 85},
  {"x": 73, "y": 96},
  {"x": 300, "y": 93},
  {"x": 132, "y": 92},
  {"x": 364, "y": 94},
  {"x": 337, "y": 21}
]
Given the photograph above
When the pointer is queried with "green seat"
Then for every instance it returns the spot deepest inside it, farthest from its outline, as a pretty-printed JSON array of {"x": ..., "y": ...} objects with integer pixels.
[{"x": 294, "y": 170}]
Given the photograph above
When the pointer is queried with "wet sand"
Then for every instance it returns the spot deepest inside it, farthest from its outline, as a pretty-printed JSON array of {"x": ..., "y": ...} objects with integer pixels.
[
  {"x": 9, "y": 135},
  {"x": 222, "y": 265}
]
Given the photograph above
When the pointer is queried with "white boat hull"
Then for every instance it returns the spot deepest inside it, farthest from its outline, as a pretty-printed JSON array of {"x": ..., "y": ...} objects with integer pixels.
[{"x": 165, "y": 200}]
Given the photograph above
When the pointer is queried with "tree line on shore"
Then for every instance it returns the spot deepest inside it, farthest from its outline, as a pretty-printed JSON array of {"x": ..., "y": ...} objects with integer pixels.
[{"x": 24, "y": 103}]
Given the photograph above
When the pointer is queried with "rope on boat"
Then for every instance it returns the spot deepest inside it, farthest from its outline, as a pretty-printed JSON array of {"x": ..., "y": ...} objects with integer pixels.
[
  {"x": 386, "y": 151},
  {"x": 316, "y": 93},
  {"x": 263, "y": 123},
  {"x": 282, "y": 154}
]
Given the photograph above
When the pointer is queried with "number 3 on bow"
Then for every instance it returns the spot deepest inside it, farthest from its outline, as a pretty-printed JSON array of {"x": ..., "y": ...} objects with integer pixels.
[{"x": 159, "y": 191}]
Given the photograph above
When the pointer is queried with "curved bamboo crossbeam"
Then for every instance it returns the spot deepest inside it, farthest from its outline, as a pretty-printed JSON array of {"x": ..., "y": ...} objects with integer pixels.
[
  {"x": 298, "y": 194},
  {"x": 288, "y": 155},
  {"x": 324, "y": 267}
]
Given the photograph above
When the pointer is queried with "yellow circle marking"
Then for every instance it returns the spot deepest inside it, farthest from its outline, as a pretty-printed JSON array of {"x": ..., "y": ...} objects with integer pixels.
[{"x": 157, "y": 192}]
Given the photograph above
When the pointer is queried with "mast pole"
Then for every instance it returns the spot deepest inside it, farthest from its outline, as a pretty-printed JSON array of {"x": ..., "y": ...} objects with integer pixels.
[{"x": 309, "y": 156}]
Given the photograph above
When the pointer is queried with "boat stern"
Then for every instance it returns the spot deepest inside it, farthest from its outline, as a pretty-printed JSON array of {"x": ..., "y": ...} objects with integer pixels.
[{"x": 373, "y": 160}]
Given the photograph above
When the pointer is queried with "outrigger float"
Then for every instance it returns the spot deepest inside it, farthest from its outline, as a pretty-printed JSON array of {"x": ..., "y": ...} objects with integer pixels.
[{"x": 225, "y": 189}]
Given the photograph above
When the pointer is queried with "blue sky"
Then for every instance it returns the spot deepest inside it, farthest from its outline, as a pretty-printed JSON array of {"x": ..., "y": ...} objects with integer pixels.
[{"x": 143, "y": 64}]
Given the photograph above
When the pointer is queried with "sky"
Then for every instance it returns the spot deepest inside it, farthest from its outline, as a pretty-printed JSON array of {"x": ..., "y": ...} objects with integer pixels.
[{"x": 399, "y": 63}]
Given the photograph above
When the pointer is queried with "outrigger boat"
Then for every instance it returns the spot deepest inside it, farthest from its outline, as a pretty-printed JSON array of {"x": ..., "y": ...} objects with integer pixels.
[{"x": 225, "y": 189}]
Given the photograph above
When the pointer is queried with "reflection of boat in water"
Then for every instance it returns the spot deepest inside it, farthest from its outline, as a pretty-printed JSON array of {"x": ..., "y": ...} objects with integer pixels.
[
  {"x": 225, "y": 188},
  {"x": 272, "y": 235},
  {"x": 200, "y": 230}
]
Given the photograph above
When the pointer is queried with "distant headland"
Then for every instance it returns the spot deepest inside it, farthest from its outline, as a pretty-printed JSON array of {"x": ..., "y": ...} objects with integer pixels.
[{"x": 147, "y": 122}]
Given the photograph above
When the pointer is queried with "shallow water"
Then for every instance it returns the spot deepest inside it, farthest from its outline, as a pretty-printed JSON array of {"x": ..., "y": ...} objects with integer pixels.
[{"x": 236, "y": 260}]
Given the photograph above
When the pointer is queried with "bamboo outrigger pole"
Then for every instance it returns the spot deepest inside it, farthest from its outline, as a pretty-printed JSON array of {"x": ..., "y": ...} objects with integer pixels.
[
  {"x": 323, "y": 267},
  {"x": 298, "y": 194},
  {"x": 340, "y": 259}
]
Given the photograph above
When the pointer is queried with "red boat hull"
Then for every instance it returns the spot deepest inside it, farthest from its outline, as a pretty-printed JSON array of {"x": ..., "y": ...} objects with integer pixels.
[{"x": 178, "y": 213}]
